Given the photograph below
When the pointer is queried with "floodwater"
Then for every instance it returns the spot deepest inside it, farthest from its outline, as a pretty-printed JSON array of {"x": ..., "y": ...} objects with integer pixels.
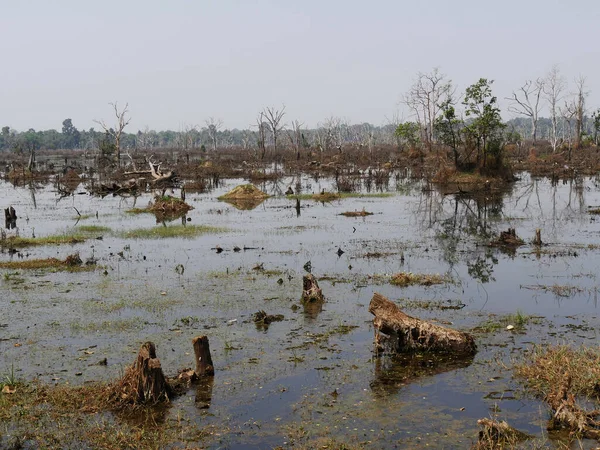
[{"x": 314, "y": 373}]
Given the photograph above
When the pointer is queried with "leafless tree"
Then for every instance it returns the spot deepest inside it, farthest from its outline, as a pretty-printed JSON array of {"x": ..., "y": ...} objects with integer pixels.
[
  {"x": 117, "y": 131},
  {"x": 262, "y": 127},
  {"x": 424, "y": 98},
  {"x": 295, "y": 136},
  {"x": 213, "y": 126},
  {"x": 554, "y": 85},
  {"x": 526, "y": 102},
  {"x": 273, "y": 118},
  {"x": 579, "y": 103},
  {"x": 568, "y": 113}
]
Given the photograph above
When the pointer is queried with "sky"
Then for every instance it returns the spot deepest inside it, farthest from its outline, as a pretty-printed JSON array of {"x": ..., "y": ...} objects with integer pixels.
[{"x": 177, "y": 63}]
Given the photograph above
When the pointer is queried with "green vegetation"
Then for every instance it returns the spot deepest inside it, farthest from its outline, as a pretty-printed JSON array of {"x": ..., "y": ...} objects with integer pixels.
[
  {"x": 516, "y": 321},
  {"x": 175, "y": 231},
  {"x": 21, "y": 242},
  {"x": 93, "y": 229}
]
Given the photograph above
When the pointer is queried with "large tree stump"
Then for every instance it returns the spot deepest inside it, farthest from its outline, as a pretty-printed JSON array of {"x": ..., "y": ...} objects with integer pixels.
[
  {"x": 144, "y": 382},
  {"x": 412, "y": 334},
  {"x": 10, "y": 216},
  {"x": 311, "y": 292},
  {"x": 204, "y": 364}
]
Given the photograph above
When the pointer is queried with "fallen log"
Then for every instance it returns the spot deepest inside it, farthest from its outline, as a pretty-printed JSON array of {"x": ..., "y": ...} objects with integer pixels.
[
  {"x": 311, "y": 292},
  {"x": 408, "y": 333}
]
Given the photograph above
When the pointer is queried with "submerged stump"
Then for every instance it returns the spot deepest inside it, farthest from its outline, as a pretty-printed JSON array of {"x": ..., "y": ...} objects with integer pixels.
[
  {"x": 204, "y": 364},
  {"x": 412, "y": 334},
  {"x": 311, "y": 292}
]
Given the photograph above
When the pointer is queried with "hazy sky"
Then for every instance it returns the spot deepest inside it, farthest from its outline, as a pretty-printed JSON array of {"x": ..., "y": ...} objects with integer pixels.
[{"x": 179, "y": 62}]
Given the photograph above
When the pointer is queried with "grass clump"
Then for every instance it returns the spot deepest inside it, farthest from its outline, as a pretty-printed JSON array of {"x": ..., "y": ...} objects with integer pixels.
[
  {"x": 544, "y": 368},
  {"x": 516, "y": 321},
  {"x": 362, "y": 213},
  {"x": 176, "y": 231},
  {"x": 93, "y": 229},
  {"x": 404, "y": 279},
  {"x": 71, "y": 263},
  {"x": 21, "y": 242}
]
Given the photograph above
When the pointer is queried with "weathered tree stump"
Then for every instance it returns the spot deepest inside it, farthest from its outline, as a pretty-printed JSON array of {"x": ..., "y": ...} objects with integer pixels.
[
  {"x": 311, "y": 292},
  {"x": 538, "y": 237},
  {"x": 144, "y": 382},
  {"x": 10, "y": 216},
  {"x": 412, "y": 334},
  {"x": 204, "y": 364}
]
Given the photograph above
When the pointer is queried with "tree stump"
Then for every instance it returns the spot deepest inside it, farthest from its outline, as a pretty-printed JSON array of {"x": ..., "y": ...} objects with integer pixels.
[
  {"x": 204, "y": 364},
  {"x": 311, "y": 292},
  {"x": 10, "y": 216},
  {"x": 144, "y": 382},
  {"x": 412, "y": 334},
  {"x": 538, "y": 237}
]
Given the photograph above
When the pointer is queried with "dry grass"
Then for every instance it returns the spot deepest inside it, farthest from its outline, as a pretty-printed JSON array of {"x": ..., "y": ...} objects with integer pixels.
[
  {"x": 404, "y": 279},
  {"x": 71, "y": 263},
  {"x": 243, "y": 192},
  {"x": 544, "y": 367},
  {"x": 362, "y": 213},
  {"x": 325, "y": 196}
]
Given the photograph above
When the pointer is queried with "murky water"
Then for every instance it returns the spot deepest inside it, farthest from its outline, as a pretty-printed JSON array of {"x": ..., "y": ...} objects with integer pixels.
[{"x": 314, "y": 372}]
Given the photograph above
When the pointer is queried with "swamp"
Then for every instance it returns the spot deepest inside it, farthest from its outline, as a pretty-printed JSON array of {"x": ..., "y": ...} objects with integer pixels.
[{"x": 91, "y": 269}]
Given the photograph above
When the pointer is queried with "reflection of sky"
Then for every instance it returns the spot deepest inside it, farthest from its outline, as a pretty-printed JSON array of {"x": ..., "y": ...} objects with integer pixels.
[{"x": 413, "y": 222}]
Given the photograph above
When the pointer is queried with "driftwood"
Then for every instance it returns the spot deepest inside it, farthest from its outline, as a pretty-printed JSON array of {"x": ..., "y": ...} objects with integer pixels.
[
  {"x": 568, "y": 414},
  {"x": 311, "y": 292},
  {"x": 495, "y": 434},
  {"x": 144, "y": 382},
  {"x": 412, "y": 334}
]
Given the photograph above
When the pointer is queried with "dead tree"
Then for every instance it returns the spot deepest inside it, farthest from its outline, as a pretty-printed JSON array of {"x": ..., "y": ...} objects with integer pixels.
[
  {"x": 117, "y": 131},
  {"x": 526, "y": 102},
  {"x": 411, "y": 334},
  {"x": 554, "y": 84},
  {"x": 273, "y": 118},
  {"x": 213, "y": 126}
]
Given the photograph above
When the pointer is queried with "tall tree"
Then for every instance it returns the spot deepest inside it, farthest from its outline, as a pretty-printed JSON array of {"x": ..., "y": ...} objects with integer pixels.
[
  {"x": 71, "y": 134},
  {"x": 579, "y": 103},
  {"x": 273, "y": 118},
  {"x": 526, "y": 102},
  {"x": 213, "y": 126},
  {"x": 554, "y": 85},
  {"x": 487, "y": 124},
  {"x": 116, "y": 133},
  {"x": 424, "y": 99}
]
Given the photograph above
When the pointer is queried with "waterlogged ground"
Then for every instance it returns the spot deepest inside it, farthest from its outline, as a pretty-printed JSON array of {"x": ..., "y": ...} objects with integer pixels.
[{"x": 314, "y": 374}]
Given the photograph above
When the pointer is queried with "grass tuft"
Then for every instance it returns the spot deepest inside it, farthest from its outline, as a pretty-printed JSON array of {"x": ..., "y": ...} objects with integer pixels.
[{"x": 175, "y": 231}]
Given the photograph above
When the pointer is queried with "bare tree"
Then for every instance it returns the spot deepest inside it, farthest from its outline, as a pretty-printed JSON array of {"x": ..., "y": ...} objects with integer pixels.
[
  {"x": 117, "y": 131},
  {"x": 262, "y": 126},
  {"x": 568, "y": 113},
  {"x": 554, "y": 85},
  {"x": 213, "y": 126},
  {"x": 424, "y": 98},
  {"x": 273, "y": 118},
  {"x": 295, "y": 136},
  {"x": 526, "y": 102},
  {"x": 579, "y": 103}
]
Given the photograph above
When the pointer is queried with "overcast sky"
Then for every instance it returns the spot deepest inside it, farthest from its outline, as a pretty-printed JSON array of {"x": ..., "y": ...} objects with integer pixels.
[{"x": 179, "y": 62}]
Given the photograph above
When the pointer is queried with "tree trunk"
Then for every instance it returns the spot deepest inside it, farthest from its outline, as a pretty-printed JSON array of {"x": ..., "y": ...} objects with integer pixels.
[
  {"x": 412, "y": 334},
  {"x": 204, "y": 364}
]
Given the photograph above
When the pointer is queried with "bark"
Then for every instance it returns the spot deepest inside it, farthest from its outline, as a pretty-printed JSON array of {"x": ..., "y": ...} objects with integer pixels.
[
  {"x": 412, "y": 334},
  {"x": 204, "y": 364}
]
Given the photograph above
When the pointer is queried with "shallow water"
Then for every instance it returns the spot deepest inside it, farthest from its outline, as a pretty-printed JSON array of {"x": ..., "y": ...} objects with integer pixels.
[{"x": 272, "y": 385}]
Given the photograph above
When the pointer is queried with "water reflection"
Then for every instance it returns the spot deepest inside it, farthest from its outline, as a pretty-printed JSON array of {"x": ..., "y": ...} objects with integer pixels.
[{"x": 394, "y": 372}]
